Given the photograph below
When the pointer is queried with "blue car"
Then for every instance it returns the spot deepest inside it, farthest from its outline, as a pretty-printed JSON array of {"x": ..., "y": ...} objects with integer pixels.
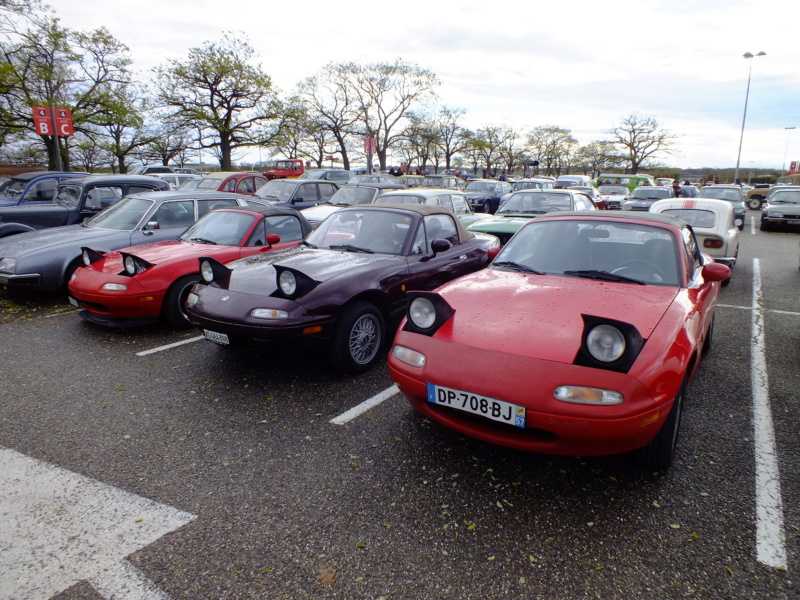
[{"x": 36, "y": 187}]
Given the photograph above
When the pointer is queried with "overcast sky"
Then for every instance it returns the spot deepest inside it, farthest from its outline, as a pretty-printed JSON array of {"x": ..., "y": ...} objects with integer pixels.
[{"x": 580, "y": 64}]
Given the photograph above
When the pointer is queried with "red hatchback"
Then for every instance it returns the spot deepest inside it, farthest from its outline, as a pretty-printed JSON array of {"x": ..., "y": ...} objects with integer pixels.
[
  {"x": 142, "y": 284},
  {"x": 580, "y": 338},
  {"x": 235, "y": 182}
]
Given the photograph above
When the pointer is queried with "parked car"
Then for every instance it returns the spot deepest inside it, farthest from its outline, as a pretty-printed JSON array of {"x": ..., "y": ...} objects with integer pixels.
[
  {"x": 613, "y": 196},
  {"x": 347, "y": 195},
  {"x": 713, "y": 223},
  {"x": 450, "y": 182},
  {"x": 297, "y": 193},
  {"x": 531, "y": 183},
  {"x": 642, "y": 198},
  {"x": 344, "y": 288},
  {"x": 754, "y": 198},
  {"x": 76, "y": 199},
  {"x": 149, "y": 282},
  {"x": 187, "y": 171},
  {"x": 604, "y": 319},
  {"x": 46, "y": 259},
  {"x": 36, "y": 187},
  {"x": 370, "y": 179},
  {"x": 452, "y": 199},
  {"x": 150, "y": 170},
  {"x": 523, "y": 206},
  {"x": 729, "y": 193},
  {"x": 232, "y": 181},
  {"x": 338, "y": 176},
  {"x": 286, "y": 168},
  {"x": 176, "y": 180},
  {"x": 592, "y": 192},
  {"x": 567, "y": 181},
  {"x": 484, "y": 195},
  {"x": 782, "y": 208},
  {"x": 409, "y": 181}
]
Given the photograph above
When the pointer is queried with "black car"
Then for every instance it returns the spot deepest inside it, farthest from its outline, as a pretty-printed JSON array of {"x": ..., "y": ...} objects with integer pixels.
[
  {"x": 344, "y": 287},
  {"x": 35, "y": 187},
  {"x": 484, "y": 195},
  {"x": 75, "y": 200}
]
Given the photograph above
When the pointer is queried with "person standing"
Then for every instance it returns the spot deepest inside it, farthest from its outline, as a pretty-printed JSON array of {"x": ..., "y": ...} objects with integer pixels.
[{"x": 677, "y": 189}]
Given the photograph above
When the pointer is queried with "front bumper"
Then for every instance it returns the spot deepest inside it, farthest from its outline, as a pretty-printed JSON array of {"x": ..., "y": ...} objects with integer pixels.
[
  {"x": 551, "y": 426},
  {"x": 21, "y": 280}
]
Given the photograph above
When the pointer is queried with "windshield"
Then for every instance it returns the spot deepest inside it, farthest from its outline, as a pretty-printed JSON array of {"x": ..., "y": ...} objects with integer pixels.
[
  {"x": 400, "y": 199},
  {"x": 527, "y": 185},
  {"x": 694, "y": 217},
  {"x": 15, "y": 187},
  {"x": 612, "y": 190},
  {"x": 68, "y": 195},
  {"x": 224, "y": 227},
  {"x": 610, "y": 251},
  {"x": 123, "y": 215},
  {"x": 480, "y": 186},
  {"x": 535, "y": 202},
  {"x": 785, "y": 197},
  {"x": 729, "y": 194},
  {"x": 370, "y": 231},
  {"x": 209, "y": 183},
  {"x": 277, "y": 190},
  {"x": 353, "y": 195},
  {"x": 648, "y": 193},
  {"x": 432, "y": 182},
  {"x": 312, "y": 174}
]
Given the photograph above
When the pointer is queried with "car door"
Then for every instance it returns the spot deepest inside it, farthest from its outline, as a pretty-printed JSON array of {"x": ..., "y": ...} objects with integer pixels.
[
  {"x": 305, "y": 196},
  {"x": 165, "y": 222},
  {"x": 287, "y": 227}
]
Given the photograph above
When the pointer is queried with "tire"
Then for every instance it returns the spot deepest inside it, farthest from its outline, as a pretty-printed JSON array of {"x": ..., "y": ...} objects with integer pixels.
[
  {"x": 764, "y": 225},
  {"x": 358, "y": 339},
  {"x": 755, "y": 203},
  {"x": 659, "y": 453},
  {"x": 172, "y": 309}
]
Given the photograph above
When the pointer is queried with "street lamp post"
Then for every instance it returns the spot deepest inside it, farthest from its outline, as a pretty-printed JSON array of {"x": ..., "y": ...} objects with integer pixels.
[
  {"x": 748, "y": 56},
  {"x": 786, "y": 153}
]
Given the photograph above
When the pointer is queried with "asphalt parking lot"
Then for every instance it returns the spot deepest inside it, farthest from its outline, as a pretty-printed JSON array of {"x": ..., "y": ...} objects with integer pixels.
[{"x": 178, "y": 468}]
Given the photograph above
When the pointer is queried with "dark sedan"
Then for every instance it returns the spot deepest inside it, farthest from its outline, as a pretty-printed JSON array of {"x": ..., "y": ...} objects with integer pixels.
[
  {"x": 344, "y": 287},
  {"x": 297, "y": 193},
  {"x": 484, "y": 195},
  {"x": 46, "y": 259},
  {"x": 642, "y": 198}
]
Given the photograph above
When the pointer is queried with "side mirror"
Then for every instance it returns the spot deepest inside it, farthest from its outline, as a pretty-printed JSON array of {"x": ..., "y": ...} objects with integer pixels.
[
  {"x": 151, "y": 225},
  {"x": 493, "y": 252},
  {"x": 296, "y": 200},
  {"x": 273, "y": 238},
  {"x": 715, "y": 272},
  {"x": 440, "y": 245}
]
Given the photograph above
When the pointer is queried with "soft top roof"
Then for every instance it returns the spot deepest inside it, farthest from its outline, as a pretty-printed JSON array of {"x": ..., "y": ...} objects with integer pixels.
[{"x": 423, "y": 210}]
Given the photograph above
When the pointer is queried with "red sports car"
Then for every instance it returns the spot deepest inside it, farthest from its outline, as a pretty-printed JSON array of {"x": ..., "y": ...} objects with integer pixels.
[
  {"x": 142, "y": 284},
  {"x": 579, "y": 339}
]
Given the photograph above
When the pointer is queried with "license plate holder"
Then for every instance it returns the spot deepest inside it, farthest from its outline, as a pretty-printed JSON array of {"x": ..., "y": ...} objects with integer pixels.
[{"x": 476, "y": 404}]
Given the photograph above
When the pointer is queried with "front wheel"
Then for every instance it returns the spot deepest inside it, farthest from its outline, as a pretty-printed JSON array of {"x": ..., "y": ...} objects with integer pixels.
[
  {"x": 358, "y": 338},
  {"x": 764, "y": 225},
  {"x": 659, "y": 453},
  {"x": 172, "y": 308},
  {"x": 755, "y": 203}
]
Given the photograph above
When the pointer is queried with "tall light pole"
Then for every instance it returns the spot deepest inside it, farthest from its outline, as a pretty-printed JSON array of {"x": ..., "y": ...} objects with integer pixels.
[
  {"x": 786, "y": 153},
  {"x": 748, "y": 56}
]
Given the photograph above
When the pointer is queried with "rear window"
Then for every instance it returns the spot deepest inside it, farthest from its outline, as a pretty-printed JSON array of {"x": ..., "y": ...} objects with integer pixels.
[{"x": 693, "y": 216}]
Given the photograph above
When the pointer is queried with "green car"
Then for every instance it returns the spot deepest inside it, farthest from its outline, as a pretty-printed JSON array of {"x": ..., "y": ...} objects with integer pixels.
[{"x": 522, "y": 206}]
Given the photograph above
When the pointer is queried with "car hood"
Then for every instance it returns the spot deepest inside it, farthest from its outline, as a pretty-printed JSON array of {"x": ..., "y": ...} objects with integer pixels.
[
  {"x": 250, "y": 274},
  {"x": 42, "y": 239},
  {"x": 540, "y": 315},
  {"x": 510, "y": 223}
]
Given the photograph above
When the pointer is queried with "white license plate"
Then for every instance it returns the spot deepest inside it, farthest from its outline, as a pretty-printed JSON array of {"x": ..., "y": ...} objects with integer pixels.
[
  {"x": 73, "y": 302},
  {"x": 793, "y": 222},
  {"x": 217, "y": 338},
  {"x": 491, "y": 408}
]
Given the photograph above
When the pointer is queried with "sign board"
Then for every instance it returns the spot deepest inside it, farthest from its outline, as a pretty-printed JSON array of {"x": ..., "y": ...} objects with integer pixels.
[
  {"x": 43, "y": 121},
  {"x": 370, "y": 145},
  {"x": 64, "y": 122}
]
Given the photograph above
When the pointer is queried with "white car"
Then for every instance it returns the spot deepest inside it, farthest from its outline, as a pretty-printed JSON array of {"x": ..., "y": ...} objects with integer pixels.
[
  {"x": 455, "y": 200},
  {"x": 713, "y": 224}
]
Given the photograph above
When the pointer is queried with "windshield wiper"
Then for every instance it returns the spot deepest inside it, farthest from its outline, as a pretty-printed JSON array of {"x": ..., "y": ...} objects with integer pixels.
[
  {"x": 203, "y": 241},
  {"x": 309, "y": 244},
  {"x": 604, "y": 276},
  {"x": 515, "y": 266},
  {"x": 351, "y": 248}
]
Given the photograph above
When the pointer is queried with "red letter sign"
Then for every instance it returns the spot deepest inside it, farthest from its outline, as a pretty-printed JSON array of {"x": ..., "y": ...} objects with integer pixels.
[
  {"x": 64, "y": 122},
  {"x": 42, "y": 121}
]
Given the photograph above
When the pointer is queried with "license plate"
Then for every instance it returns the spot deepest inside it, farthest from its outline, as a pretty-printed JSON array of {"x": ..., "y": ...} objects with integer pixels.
[
  {"x": 491, "y": 408},
  {"x": 73, "y": 302},
  {"x": 793, "y": 222},
  {"x": 217, "y": 338}
]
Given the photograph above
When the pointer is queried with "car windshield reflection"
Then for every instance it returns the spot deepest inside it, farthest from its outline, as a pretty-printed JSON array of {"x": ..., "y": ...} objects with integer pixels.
[
  {"x": 123, "y": 215},
  {"x": 374, "y": 231}
]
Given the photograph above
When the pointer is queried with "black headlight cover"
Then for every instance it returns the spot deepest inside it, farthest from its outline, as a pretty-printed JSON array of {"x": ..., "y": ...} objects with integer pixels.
[
  {"x": 139, "y": 263},
  {"x": 304, "y": 283},
  {"x": 93, "y": 255},
  {"x": 222, "y": 274},
  {"x": 633, "y": 345},
  {"x": 443, "y": 312}
]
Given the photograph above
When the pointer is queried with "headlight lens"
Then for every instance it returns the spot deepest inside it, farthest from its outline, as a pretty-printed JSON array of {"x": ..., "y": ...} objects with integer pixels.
[
  {"x": 775, "y": 214},
  {"x": 409, "y": 356},
  {"x": 605, "y": 343},
  {"x": 115, "y": 287},
  {"x": 7, "y": 264},
  {"x": 86, "y": 260},
  {"x": 288, "y": 282},
  {"x": 130, "y": 265},
  {"x": 206, "y": 272},
  {"x": 422, "y": 313},
  {"x": 584, "y": 395},
  {"x": 268, "y": 313}
]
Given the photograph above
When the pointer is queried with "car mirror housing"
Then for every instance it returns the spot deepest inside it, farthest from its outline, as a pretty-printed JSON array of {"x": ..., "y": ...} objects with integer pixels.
[
  {"x": 716, "y": 272},
  {"x": 273, "y": 238},
  {"x": 440, "y": 245}
]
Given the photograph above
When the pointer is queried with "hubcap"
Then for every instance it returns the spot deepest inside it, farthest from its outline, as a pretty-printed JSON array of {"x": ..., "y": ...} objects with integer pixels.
[{"x": 364, "y": 339}]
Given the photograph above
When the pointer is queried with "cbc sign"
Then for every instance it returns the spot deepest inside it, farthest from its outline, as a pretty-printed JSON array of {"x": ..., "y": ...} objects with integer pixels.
[{"x": 43, "y": 121}]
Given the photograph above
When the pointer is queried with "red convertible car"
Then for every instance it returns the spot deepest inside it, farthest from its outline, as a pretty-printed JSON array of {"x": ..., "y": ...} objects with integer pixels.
[
  {"x": 601, "y": 320},
  {"x": 142, "y": 284}
]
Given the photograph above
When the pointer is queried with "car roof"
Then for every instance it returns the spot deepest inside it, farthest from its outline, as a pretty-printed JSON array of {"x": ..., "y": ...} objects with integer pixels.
[
  {"x": 378, "y": 185},
  {"x": 224, "y": 174},
  {"x": 423, "y": 210},
  {"x": 427, "y": 192},
  {"x": 607, "y": 215},
  {"x": 34, "y": 174},
  {"x": 113, "y": 179}
]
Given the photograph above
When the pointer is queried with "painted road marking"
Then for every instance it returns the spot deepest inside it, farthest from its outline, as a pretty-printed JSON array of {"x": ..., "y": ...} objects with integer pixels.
[
  {"x": 63, "y": 312},
  {"x": 770, "y": 310},
  {"x": 770, "y": 545},
  {"x": 60, "y": 528},
  {"x": 351, "y": 414},
  {"x": 168, "y": 346}
]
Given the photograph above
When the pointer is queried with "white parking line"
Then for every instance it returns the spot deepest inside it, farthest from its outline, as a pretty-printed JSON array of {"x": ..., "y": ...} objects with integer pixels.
[
  {"x": 64, "y": 312},
  {"x": 168, "y": 346},
  {"x": 771, "y": 310},
  {"x": 351, "y": 414},
  {"x": 753, "y": 226},
  {"x": 770, "y": 545}
]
